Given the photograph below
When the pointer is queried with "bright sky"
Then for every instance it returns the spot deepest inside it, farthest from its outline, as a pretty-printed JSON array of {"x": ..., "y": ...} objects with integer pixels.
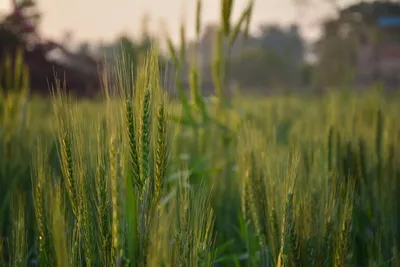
[{"x": 104, "y": 19}]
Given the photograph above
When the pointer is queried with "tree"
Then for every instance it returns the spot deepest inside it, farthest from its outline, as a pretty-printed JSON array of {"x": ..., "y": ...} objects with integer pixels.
[
  {"x": 84, "y": 48},
  {"x": 259, "y": 68},
  {"x": 288, "y": 45}
]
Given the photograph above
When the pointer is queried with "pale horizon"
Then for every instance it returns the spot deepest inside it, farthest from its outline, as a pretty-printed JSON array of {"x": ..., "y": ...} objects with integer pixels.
[{"x": 95, "y": 20}]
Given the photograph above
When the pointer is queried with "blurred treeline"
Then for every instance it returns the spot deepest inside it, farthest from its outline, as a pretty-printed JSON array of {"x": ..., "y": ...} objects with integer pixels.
[
  {"x": 274, "y": 57},
  {"x": 277, "y": 57}
]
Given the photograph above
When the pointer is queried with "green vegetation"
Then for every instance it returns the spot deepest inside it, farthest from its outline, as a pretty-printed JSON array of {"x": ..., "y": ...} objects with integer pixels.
[{"x": 139, "y": 179}]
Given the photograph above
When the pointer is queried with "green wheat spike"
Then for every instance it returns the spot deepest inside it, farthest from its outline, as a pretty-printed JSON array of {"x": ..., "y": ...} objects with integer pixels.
[
  {"x": 330, "y": 148},
  {"x": 328, "y": 244},
  {"x": 145, "y": 137},
  {"x": 134, "y": 158},
  {"x": 339, "y": 156},
  {"x": 379, "y": 143},
  {"x": 161, "y": 153}
]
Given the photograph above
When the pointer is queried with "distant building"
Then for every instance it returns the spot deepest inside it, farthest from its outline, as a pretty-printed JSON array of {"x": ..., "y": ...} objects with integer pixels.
[{"x": 381, "y": 61}]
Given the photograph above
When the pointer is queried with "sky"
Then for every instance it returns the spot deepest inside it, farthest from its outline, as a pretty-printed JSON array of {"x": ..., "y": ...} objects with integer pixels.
[{"x": 95, "y": 20}]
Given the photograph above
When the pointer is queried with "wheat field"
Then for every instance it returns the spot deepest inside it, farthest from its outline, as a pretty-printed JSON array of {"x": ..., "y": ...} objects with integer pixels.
[{"x": 141, "y": 178}]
